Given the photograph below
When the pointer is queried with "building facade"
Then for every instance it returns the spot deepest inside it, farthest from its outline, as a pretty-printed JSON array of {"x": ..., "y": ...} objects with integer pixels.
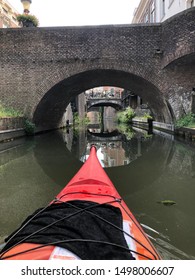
[
  {"x": 153, "y": 11},
  {"x": 8, "y": 15}
]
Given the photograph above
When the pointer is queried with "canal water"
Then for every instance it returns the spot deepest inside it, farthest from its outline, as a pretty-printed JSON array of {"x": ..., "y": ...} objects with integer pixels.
[{"x": 147, "y": 170}]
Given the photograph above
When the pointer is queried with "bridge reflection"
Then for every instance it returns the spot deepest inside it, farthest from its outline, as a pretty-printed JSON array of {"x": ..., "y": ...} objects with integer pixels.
[
  {"x": 109, "y": 153},
  {"x": 99, "y": 135},
  {"x": 66, "y": 150},
  {"x": 110, "y": 150}
]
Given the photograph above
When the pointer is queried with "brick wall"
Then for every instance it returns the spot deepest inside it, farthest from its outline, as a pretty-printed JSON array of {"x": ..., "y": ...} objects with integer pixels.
[
  {"x": 42, "y": 69},
  {"x": 11, "y": 123}
]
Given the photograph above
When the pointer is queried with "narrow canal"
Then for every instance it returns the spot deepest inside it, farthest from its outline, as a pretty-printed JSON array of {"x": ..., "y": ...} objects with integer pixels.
[{"x": 146, "y": 170}]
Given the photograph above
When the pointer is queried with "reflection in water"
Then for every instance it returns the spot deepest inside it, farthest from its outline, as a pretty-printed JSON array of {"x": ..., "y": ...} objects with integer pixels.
[
  {"x": 109, "y": 146},
  {"x": 145, "y": 169},
  {"x": 109, "y": 154},
  {"x": 113, "y": 147}
]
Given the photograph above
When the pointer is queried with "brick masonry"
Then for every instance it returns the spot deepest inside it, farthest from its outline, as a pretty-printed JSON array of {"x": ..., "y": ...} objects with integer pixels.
[
  {"x": 11, "y": 123},
  {"x": 41, "y": 69}
]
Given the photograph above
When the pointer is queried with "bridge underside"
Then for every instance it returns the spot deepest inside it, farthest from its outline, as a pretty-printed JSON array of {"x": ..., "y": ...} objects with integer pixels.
[
  {"x": 106, "y": 104},
  {"x": 50, "y": 110}
]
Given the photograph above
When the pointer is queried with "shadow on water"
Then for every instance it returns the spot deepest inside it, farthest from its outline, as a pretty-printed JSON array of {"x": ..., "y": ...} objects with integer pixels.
[
  {"x": 132, "y": 176},
  {"x": 54, "y": 158}
]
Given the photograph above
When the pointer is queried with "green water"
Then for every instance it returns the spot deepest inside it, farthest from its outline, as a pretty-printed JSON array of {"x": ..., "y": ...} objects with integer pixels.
[{"x": 146, "y": 169}]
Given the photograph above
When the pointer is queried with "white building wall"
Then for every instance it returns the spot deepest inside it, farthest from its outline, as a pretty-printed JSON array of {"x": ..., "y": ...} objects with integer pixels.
[
  {"x": 164, "y": 9},
  {"x": 173, "y": 7},
  {"x": 8, "y": 15}
]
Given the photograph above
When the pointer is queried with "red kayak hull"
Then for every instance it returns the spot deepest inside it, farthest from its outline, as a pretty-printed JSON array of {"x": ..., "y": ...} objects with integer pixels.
[{"x": 91, "y": 183}]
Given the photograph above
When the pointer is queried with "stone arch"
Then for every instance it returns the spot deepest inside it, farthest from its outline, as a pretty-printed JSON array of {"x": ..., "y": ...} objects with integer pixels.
[
  {"x": 181, "y": 44},
  {"x": 51, "y": 107},
  {"x": 178, "y": 89},
  {"x": 106, "y": 104},
  {"x": 60, "y": 72},
  {"x": 185, "y": 56}
]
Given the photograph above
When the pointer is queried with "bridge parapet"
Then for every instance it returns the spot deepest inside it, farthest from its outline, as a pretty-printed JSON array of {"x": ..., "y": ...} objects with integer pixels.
[{"x": 101, "y": 102}]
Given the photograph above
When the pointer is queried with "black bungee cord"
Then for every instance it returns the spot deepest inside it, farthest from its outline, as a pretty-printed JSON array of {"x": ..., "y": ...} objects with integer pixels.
[{"x": 80, "y": 210}]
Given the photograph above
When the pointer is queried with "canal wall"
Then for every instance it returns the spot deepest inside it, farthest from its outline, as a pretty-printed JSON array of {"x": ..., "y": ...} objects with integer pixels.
[
  {"x": 184, "y": 132},
  {"x": 143, "y": 123},
  {"x": 8, "y": 135},
  {"x": 148, "y": 124},
  {"x": 11, "y": 128},
  {"x": 166, "y": 127},
  {"x": 11, "y": 123},
  {"x": 187, "y": 133}
]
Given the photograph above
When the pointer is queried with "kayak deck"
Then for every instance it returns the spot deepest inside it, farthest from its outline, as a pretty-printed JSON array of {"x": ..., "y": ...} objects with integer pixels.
[{"x": 90, "y": 184}]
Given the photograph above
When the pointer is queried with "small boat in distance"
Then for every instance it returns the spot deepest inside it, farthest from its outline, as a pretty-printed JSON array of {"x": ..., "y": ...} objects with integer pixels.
[{"x": 87, "y": 220}]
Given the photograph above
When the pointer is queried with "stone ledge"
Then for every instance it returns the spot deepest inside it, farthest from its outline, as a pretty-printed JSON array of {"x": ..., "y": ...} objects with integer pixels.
[
  {"x": 185, "y": 132},
  {"x": 142, "y": 123},
  {"x": 164, "y": 127},
  {"x": 6, "y": 135}
]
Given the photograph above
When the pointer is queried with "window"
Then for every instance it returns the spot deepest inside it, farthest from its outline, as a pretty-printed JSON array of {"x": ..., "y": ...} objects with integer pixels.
[
  {"x": 5, "y": 11},
  {"x": 162, "y": 8},
  {"x": 190, "y": 3},
  {"x": 5, "y": 26},
  {"x": 146, "y": 17},
  {"x": 152, "y": 12}
]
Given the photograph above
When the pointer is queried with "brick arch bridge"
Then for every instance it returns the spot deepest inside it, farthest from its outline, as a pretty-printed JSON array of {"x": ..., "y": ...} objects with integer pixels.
[{"x": 42, "y": 69}]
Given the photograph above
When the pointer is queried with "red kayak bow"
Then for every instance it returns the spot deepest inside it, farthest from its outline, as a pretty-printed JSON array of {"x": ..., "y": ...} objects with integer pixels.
[{"x": 88, "y": 191}]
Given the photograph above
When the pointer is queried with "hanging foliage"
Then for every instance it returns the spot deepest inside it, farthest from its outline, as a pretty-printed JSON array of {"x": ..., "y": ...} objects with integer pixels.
[{"x": 28, "y": 20}]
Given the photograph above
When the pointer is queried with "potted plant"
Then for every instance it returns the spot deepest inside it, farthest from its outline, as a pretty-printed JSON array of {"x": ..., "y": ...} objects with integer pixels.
[{"x": 26, "y": 20}]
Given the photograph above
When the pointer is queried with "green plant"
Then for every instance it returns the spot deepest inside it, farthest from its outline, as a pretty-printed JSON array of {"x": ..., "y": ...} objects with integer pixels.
[
  {"x": 125, "y": 116},
  {"x": 76, "y": 118},
  {"x": 144, "y": 117},
  {"x": 79, "y": 121},
  {"x": 28, "y": 20},
  {"x": 126, "y": 130},
  {"x": 147, "y": 116},
  {"x": 9, "y": 112},
  {"x": 186, "y": 121},
  {"x": 29, "y": 127}
]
